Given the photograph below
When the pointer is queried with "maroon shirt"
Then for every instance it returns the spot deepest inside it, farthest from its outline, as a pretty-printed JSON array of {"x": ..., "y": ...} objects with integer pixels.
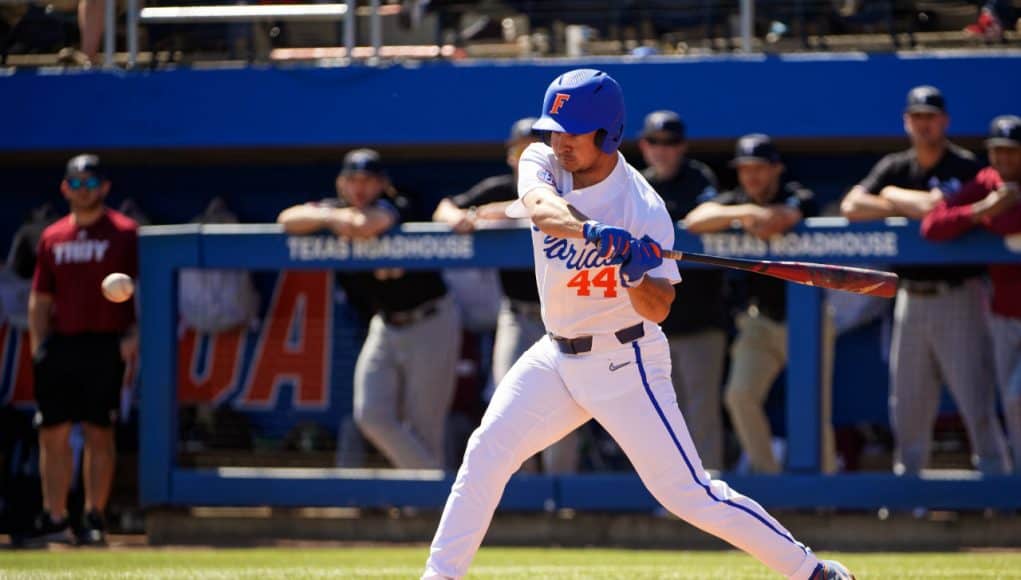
[
  {"x": 953, "y": 217},
  {"x": 72, "y": 263}
]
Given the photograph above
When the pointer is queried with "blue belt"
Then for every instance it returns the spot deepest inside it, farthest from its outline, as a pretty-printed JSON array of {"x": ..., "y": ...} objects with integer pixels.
[{"x": 583, "y": 344}]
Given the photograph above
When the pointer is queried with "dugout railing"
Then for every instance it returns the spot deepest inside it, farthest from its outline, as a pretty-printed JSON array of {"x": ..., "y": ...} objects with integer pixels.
[{"x": 166, "y": 249}]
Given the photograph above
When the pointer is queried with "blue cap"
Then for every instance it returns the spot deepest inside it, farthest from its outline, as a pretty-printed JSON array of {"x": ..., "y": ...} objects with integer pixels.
[
  {"x": 1005, "y": 131},
  {"x": 926, "y": 99},
  {"x": 756, "y": 147},
  {"x": 363, "y": 161},
  {"x": 582, "y": 101},
  {"x": 84, "y": 163},
  {"x": 664, "y": 122}
]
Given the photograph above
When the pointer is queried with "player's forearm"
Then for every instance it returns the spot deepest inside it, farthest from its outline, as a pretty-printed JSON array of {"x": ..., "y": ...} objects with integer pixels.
[
  {"x": 553, "y": 215},
  {"x": 304, "y": 219},
  {"x": 908, "y": 202},
  {"x": 448, "y": 213},
  {"x": 714, "y": 217},
  {"x": 652, "y": 298},
  {"x": 860, "y": 205},
  {"x": 40, "y": 307}
]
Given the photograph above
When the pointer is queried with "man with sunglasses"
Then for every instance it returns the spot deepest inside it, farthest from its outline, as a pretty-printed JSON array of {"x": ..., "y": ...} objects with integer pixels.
[
  {"x": 80, "y": 345},
  {"x": 519, "y": 324},
  {"x": 697, "y": 336}
]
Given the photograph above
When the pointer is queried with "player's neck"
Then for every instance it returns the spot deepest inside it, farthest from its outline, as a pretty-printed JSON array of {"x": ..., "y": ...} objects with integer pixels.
[
  {"x": 929, "y": 155},
  {"x": 88, "y": 216},
  {"x": 599, "y": 171}
]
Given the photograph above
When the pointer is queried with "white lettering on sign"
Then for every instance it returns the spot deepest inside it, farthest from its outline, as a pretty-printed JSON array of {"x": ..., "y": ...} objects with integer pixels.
[
  {"x": 419, "y": 247},
  {"x": 850, "y": 244}
]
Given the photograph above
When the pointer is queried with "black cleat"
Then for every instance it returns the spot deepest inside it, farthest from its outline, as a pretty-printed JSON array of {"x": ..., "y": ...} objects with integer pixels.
[
  {"x": 93, "y": 530},
  {"x": 44, "y": 530}
]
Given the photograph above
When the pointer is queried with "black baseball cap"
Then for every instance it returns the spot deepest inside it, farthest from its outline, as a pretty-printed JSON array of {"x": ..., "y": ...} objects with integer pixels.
[
  {"x": 756, "y": 147},
  {"x": 925, "y": 99},
  {"x": 84, "y": 163},
  {"x": 664, "y": 122},
  {"x": 522, "y": 129},
  {"x": 1005, "y": 131},
  {"x": 363, "y": 161}
]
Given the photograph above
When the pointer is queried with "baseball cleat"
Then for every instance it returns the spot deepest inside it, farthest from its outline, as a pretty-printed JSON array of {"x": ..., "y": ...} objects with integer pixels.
[{"x": 831, "y": 570}]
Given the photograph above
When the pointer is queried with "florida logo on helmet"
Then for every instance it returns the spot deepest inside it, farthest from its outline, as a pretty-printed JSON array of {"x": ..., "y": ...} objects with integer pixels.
[{"x": 558, "y": 103}]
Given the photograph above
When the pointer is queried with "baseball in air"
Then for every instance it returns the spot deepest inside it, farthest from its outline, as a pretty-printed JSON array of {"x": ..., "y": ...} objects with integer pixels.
[{"x": 118, "y": 287}]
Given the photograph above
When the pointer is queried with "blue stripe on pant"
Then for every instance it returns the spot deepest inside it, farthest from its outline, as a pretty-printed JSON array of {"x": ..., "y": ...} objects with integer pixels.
[{"x": 691, "y": 470}]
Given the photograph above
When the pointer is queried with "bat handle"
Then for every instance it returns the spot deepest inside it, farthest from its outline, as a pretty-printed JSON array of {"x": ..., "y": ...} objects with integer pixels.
[{"x": 673, "y": 254}]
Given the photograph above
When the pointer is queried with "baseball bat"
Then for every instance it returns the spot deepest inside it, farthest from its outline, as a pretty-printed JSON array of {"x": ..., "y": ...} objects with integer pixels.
[{"x": 857, "y": 280}]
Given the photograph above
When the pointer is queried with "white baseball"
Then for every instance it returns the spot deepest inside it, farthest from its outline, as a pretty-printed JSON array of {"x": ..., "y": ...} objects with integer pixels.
[{"x": 118, "y": 287}]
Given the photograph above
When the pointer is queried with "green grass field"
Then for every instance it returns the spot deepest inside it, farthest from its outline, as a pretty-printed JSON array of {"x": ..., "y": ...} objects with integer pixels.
[{"x": 510, "y": 563}]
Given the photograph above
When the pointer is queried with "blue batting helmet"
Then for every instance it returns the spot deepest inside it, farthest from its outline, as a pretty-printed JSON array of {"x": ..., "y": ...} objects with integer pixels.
[{"x": 585, "y": 100}]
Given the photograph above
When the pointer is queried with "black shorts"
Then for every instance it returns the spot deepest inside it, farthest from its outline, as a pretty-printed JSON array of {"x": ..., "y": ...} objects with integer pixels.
[{"x": 78, "y": 378}]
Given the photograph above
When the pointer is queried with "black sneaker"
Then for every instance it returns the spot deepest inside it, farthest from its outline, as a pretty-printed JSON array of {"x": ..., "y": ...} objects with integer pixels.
[
  {"x": 93, "y": 530},
  {"x": 44, "y": 530}
]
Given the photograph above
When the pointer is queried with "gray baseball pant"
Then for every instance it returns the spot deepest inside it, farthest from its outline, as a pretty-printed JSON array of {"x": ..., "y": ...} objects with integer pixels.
[
  {"x": 404, "y": 384},
  {"x": 697, "y": 373},
  {"x": 1006, "y": 334},
  {"x": 943, "y": 338}
]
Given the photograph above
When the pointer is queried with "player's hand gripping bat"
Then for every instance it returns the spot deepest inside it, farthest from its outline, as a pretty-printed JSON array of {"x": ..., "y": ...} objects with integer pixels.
[{"x": 857, "y": 280}]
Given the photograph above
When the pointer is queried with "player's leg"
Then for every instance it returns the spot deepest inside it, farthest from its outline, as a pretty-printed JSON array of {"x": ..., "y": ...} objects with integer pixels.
[
  {"x": 103, "y": 382},
  {"x": 757, "y": 356},
  {"x": 432, "y": 348},
  {"x": 697, "y": 363},
  {"x": 914, "y": 383},
  {"x": 55, "y": 403},
  {"x": 1007, "y": 350},
  {"x": 636, "y": 405},
  {"x": 971, "y": 374},
  {"x": 531, "y": 408},
  {"x": 56, "y": 464},
  {"x": 829, "y": 439},
  {"x": 377, "y": 402},
  {"x": 518, "y": 328}
]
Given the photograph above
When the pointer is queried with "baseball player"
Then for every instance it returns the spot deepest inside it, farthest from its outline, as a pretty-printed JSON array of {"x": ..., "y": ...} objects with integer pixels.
[
  {"x": 80, "y": 344},
  {"x": 597, "y": 232},
  {"x": 938, "y": 308},
  {"x": 697, "y": 336},
  {"x": 519, "y": 323},
  {"x": 404, "y": 378},
  {"x": 991, "y": 200},
  {"x": 764, "y": 204}
]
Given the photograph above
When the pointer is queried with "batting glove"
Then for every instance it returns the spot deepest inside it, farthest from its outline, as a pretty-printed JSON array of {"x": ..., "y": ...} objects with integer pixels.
[
  {"x": 611, "y": 242},
  {"x": 645, "y": 255}
]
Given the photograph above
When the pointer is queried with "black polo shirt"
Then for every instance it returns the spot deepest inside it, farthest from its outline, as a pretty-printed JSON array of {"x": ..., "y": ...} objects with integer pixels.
[
  {"x": 517, "y": 284},
  {"x": 699, "y": 304},
  {"x": 767, "y": 293},
  {"x": 389, "y": 289},
  {"x": 957, "y": 167}
]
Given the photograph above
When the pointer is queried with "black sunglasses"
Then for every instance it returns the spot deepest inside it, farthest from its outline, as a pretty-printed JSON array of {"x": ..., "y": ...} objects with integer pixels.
[
  {"x": 668, "y": 141},
  {"x": 89, "y": 183}
]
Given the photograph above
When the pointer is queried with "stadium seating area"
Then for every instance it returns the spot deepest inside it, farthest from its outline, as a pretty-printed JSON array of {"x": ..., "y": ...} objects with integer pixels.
[{"x": 43, "y": 33}]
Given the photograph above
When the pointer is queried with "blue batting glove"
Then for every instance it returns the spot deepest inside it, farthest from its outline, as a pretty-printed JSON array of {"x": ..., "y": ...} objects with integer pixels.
[
  {"x": 611, "y": 242},
  {"x": 645, "y": 255}
]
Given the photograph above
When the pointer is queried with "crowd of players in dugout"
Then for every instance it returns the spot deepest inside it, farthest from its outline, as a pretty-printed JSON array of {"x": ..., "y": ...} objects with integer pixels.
[{"x": 404, "y": 380}]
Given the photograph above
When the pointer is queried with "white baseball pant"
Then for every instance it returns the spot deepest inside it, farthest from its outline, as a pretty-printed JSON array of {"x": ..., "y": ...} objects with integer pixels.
[{"x": 548, "y": 394}]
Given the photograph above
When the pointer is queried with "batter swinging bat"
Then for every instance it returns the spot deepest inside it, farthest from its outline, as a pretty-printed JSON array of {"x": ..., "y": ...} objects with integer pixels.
[{"x": 857, "y": 280}]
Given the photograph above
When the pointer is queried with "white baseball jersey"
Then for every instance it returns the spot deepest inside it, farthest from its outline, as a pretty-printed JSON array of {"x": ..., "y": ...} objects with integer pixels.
[{"x": 581, "y": 293}]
